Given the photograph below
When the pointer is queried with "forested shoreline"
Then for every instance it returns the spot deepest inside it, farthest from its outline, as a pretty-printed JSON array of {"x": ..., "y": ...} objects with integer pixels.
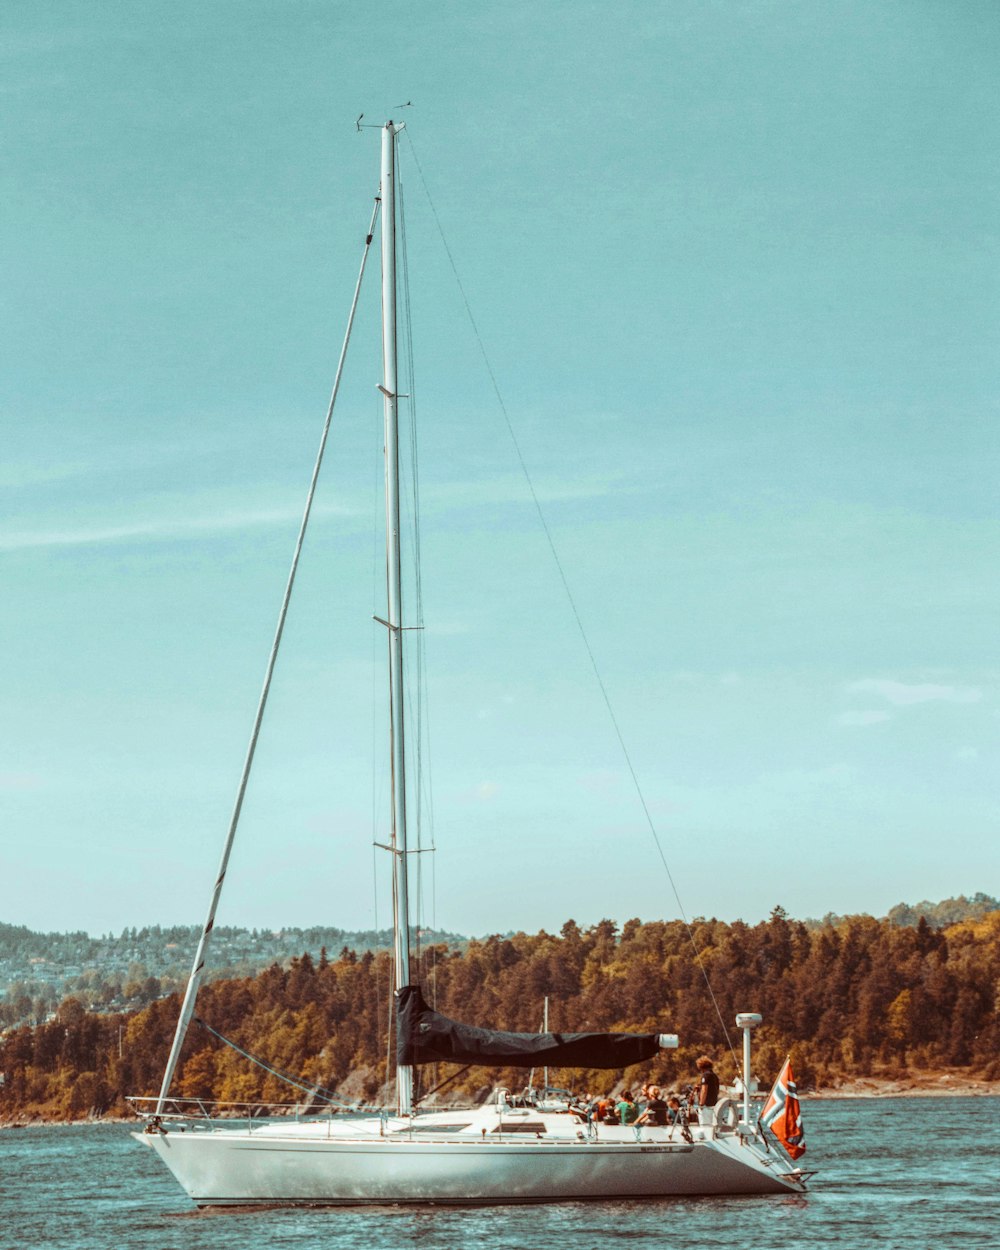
[{"x": 851, "y": 998}]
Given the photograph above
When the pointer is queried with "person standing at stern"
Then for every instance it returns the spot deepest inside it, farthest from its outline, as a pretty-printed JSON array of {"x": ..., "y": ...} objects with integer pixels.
[{"x": 708, "y": 1090}]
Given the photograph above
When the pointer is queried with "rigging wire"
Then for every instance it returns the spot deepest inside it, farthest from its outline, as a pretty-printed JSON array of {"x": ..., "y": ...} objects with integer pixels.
[
  {"x": 375, "y": 973},
  {"x": 198, "y": 966},
  {"x": 388, "y": 1039},
  {"x": 416, "y": 694},
  {"x": 315, "y": 1091},
  {"x": 572, "y": 602},
  {"x": 422, "y": 787},
  {"x": 377, "y": 704},
  {"x": 447, "y": 1081},
  {"x": 417, "y": 689}
]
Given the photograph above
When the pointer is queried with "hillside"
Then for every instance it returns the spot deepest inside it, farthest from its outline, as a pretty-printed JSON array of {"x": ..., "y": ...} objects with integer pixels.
[
  {"x": 118, "y": 973},
  {"x": 115, "y": 973},
  {"x": 850, "y": 1000}
]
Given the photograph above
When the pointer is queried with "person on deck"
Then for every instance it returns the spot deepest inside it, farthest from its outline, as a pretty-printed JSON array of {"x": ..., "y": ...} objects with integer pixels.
[
  {"x": 627, "y": 1110},
  {"x": 708, "y": 1090},
  {"x": 656, "y": 1108}
]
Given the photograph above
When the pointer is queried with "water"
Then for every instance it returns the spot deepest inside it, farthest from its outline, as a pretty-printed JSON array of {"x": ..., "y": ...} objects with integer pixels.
[{"x": 904, "y": 1172}]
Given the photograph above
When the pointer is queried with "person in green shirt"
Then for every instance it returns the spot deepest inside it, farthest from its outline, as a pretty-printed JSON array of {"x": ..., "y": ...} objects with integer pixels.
[{"x": 628, "y": 1112}]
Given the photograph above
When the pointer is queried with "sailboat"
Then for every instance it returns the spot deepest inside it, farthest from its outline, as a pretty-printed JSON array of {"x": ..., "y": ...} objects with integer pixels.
[{"x": 499, "y": 1152}]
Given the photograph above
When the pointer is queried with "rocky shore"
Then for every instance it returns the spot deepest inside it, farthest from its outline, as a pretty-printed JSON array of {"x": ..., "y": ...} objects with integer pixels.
[{"x": 913, "y": 1085}]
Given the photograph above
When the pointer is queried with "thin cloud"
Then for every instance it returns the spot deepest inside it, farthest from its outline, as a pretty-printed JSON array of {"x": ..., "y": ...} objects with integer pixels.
[
  {"x": 160, "y": 529},
  {"x": 864, "y": 718},
  {"x": 14, "y": 782},
  {"x": 447, "y": 629},
  {"x": 902, "y": 694},
  {"x": 512, "y": 488},
  {"x": 22, "y": 476},
  {"x": 602, "y": 780},
  {"x": 484, "y": 792}
]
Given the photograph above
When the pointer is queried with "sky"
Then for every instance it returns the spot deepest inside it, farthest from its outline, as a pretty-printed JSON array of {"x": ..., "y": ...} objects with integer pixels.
[{"x": 734, "y": 269}]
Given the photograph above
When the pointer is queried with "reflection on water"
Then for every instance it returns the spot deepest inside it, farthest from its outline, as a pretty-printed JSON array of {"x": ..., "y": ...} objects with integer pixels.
[{"x": 903, "y": 1173}]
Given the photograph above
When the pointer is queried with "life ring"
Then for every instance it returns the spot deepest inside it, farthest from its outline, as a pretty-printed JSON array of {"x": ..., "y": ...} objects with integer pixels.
[{"x": 727, "y": 1113}]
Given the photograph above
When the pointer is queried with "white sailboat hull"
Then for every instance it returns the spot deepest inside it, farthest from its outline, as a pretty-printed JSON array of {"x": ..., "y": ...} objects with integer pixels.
[{"x": 225, "y": 1167}]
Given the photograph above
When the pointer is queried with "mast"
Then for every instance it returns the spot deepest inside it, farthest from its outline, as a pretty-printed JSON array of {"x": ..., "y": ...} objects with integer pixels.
[
  {"x": 545, "y": 1029},
  {"x": 400, "y": 898}
]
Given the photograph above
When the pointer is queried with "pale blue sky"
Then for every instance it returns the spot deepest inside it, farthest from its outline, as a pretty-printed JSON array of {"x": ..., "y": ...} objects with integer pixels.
[{"x": 735, "y": 265}]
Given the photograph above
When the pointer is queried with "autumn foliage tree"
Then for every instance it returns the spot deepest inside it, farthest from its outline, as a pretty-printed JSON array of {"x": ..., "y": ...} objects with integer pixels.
[{"x": 847, "y": 998}]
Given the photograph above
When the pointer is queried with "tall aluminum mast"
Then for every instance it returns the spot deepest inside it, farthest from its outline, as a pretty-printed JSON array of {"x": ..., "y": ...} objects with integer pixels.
[{"x": 401, "y": 911}]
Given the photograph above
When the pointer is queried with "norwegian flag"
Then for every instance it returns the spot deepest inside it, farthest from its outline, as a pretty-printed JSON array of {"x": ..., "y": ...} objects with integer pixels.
[{"x": 782, "y": 1114}]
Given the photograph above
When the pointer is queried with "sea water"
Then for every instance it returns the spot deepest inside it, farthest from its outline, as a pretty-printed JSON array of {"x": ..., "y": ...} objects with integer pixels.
[{"x": 901, "y": 1172}]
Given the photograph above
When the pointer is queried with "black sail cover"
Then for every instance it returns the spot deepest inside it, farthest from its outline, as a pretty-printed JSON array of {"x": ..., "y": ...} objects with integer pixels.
[{"x": 424, "y": 1036}]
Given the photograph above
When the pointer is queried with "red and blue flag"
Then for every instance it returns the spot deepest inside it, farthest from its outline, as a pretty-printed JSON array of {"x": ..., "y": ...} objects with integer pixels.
[{"x": 782, "y": 1114}]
